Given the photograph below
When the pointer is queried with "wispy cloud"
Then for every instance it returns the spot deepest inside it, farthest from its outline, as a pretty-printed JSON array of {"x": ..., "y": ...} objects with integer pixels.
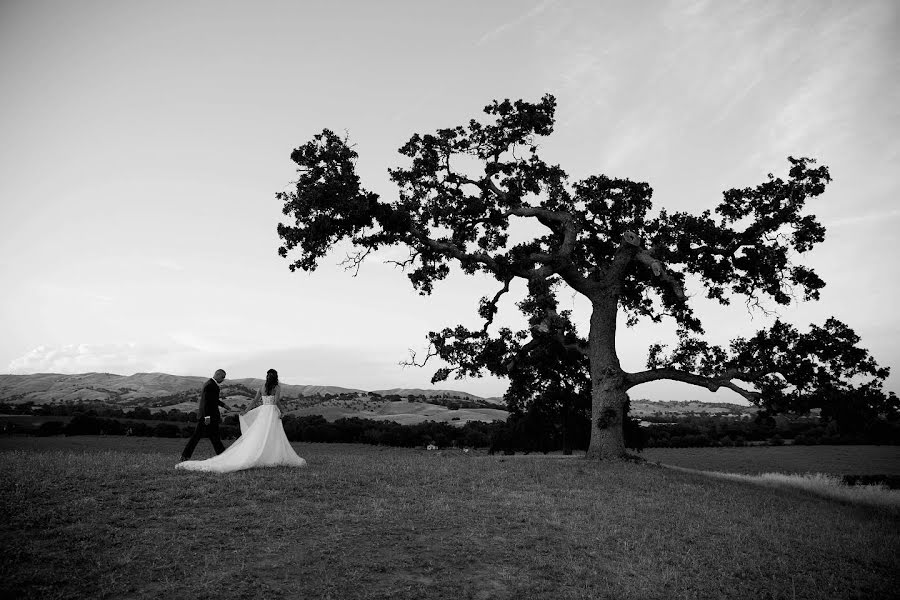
[
  {"x": 756, "y": 79},
  {"x": 499, "y": 30},
  {"x": 834, "y": 92},
  {"x": 862, "y": 219},
  {"x": 200, "y": 343},
  {"x": 81, "y": 358},
  {"x": 123, "y": 358},
  {"x": 84, "y": 293},
  {"x": 167, "y": 264}
]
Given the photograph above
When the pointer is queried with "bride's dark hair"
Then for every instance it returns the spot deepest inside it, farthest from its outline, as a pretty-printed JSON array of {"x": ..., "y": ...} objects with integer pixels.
[{"x": 271, "y": 380}]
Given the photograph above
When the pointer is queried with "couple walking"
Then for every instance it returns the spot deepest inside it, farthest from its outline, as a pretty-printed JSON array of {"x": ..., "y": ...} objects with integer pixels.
[{"x": 262, "y": 442}]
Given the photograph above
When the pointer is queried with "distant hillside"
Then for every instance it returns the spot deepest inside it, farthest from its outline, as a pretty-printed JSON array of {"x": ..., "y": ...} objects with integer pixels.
[
  {"x": 161, "y": 391},
  {"x": 137, "y": 389},
  {"x": 444, "y": 397},
  {"x": 294, "y": 391},
  {"x": 399, "y": 411},
  {"x": 643, "y": 408},
  {"x": 427, "y": 393},
  {"x": 134, "y": 389},
  {"x": 164, "y": 392}
]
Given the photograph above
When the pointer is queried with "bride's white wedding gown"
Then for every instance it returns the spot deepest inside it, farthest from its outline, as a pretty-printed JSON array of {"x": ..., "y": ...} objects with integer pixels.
[{"x": 262, "y": 444}]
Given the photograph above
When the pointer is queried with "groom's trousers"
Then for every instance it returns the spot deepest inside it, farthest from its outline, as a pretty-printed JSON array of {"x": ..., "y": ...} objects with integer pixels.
[{"x": 203, "y": 430}]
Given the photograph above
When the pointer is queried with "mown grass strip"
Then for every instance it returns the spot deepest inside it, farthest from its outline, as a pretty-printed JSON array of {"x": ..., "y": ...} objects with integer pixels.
[{"x": 821, "y": 484}]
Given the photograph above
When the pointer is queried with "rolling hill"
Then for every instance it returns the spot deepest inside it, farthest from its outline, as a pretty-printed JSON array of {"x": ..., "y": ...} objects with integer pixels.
[
  {"x": 644, "y": 408},
  {"x": 449, "y": 394},
  {"x": 164, "y": 392}
]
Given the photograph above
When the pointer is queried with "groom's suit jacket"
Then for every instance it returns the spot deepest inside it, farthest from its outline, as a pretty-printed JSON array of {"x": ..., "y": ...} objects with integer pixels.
[{"x": 209, "y": 402}]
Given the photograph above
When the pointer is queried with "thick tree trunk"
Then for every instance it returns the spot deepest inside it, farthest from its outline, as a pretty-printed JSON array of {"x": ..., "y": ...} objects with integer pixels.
[{"x": 608, "y": 396}]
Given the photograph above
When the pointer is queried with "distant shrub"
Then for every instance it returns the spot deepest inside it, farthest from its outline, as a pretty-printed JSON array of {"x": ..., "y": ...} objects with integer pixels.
[
  {"x": 49, "y": 428},
  {"x": 167, "y": 430},
  {"x": 83, "y": 425}
]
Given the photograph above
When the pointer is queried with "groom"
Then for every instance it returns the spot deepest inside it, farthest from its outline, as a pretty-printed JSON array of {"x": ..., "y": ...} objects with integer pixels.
[{"x": 208, "y": 417}]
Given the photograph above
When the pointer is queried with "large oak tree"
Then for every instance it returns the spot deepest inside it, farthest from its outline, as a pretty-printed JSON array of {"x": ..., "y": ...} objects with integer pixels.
[{"x": 599, "y": 239}]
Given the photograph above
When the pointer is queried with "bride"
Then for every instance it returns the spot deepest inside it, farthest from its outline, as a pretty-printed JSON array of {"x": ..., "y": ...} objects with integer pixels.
[{"x": 262, "y": 442}]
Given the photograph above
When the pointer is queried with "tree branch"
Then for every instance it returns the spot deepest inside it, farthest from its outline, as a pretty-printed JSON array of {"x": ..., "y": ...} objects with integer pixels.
[
  {"x": 631, "y": 248},
  {"x": 452, "y": 250},
  {"x": 545, "y": 327},
  {"x": 557, "y": 262},
  {"x": 432, "y": 352},
  {"x": 402, "y": 264},
  {"x": 354, "y": 261},
  {"x": 579, "y": 347},
  {"x": 710, "y": 383},
  {"x": 660, "y": 270},
  {"x": 511, "y": 362},
  {"x": 489, "y": 183},
  {"x": 547, "y": 218},
  {"x": 489, "y": 308}
]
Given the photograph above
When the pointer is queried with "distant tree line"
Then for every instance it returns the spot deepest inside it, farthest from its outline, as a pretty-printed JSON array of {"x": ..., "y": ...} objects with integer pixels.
[
  {"x": 312, "y": 428},
  {"x": 353, "y": 430},
  {"x": 452, "y": 402},
  {"x": 98, "y": 410},
  {"x": 530, "y": 430},
  {"x": 543, "y": 427},
  {"x": 710, "y": 430},
  {"x": 84, "y": 424}
]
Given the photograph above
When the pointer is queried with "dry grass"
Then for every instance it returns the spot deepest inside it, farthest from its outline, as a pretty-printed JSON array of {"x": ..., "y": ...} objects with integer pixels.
[
  {"x": 111, "y": 518},
  {"x": 833, "y": 460},
  {"x": 820, "y": 484}
]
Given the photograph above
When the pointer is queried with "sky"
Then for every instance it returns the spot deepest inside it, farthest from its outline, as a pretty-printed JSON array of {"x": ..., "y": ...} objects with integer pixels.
[{"x": 143, "y": 144}]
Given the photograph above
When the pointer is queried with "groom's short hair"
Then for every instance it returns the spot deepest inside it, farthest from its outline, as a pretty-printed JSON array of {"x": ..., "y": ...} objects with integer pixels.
[{"x": 219, "y": 372}]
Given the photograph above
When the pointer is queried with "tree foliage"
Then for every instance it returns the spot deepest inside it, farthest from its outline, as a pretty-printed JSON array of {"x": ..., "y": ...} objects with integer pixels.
[{"x": 461, "y": 188}]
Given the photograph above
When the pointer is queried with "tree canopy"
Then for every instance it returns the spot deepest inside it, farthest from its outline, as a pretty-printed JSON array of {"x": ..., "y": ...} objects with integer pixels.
[{"x": 600, "y": 239}]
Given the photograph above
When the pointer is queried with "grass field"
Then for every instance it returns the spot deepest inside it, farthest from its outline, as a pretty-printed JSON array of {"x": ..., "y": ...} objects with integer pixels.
[{"x": 111, "y": 518}]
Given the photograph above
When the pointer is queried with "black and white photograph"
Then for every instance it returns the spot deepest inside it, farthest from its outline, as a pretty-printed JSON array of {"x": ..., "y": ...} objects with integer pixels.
[{"x": 489, "y": 300}]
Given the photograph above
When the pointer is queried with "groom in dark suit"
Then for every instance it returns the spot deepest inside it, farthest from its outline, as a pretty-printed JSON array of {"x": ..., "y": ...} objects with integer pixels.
[{"x": 208, "y": 417}]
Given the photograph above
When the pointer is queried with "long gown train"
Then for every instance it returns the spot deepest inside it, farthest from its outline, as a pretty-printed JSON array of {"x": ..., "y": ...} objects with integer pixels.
[{"x": 263, "y": 443}]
